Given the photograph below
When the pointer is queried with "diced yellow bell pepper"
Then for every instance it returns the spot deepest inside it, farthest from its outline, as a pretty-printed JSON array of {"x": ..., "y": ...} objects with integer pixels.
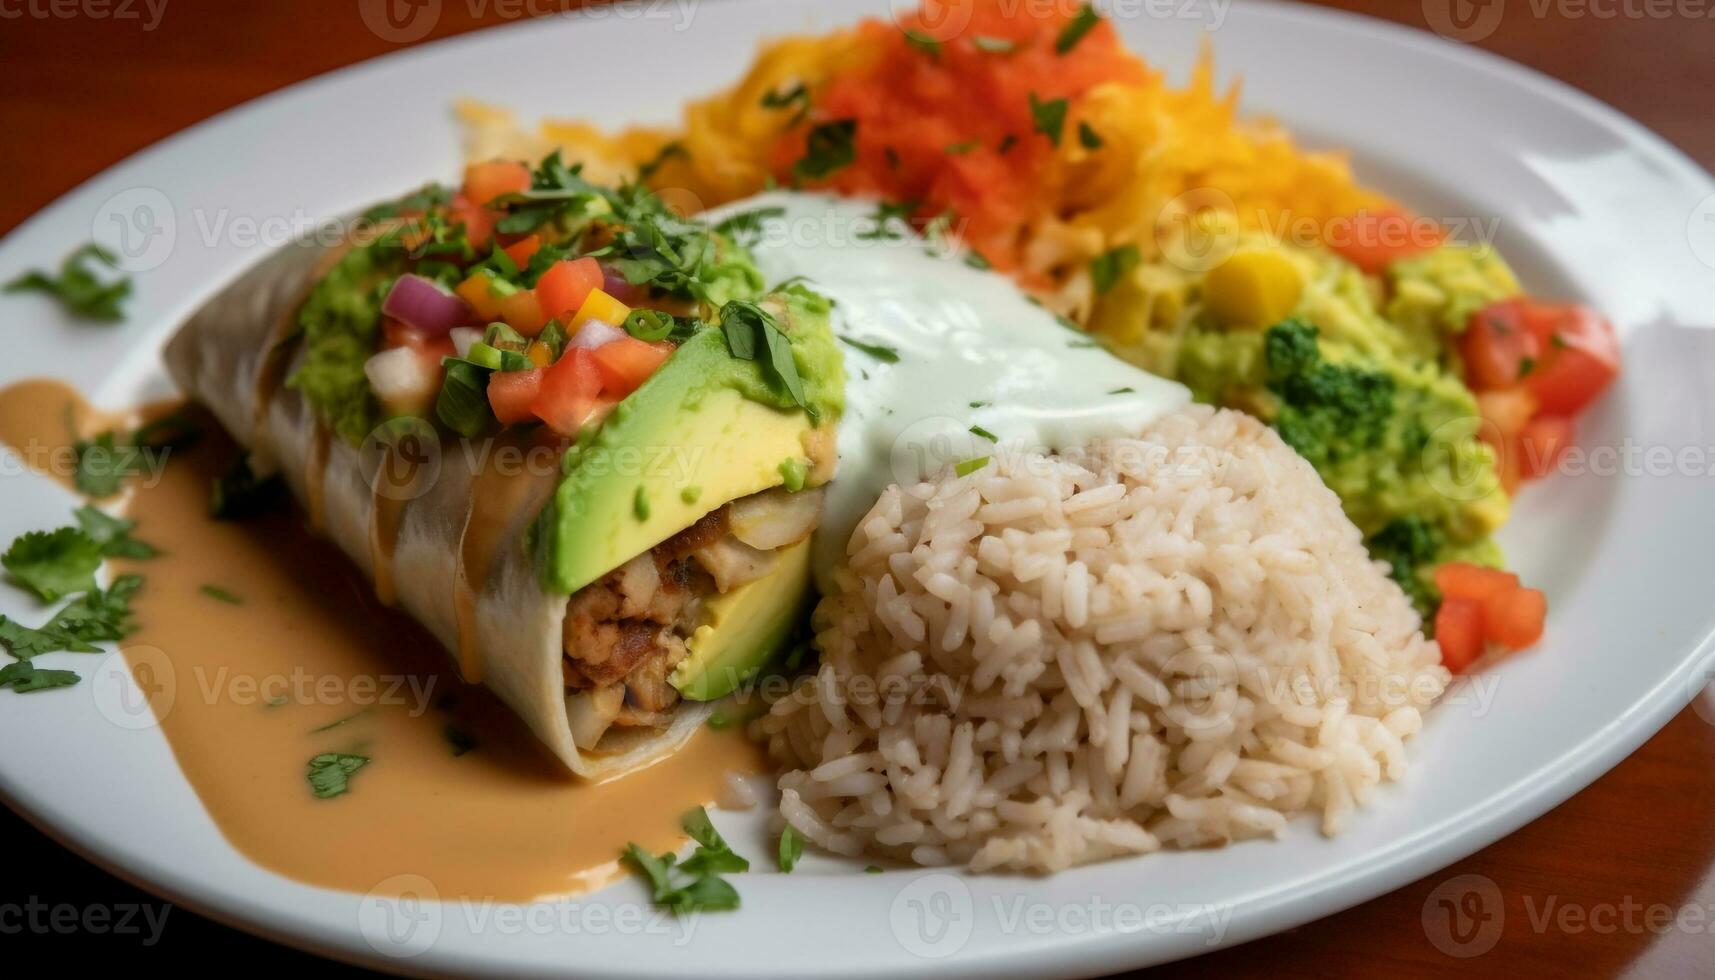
[
  {"x": 1254, "y": 288},
  {"x": 599, "y": 306},
  {"x": 475, "y": 291},
  {"x": 539, "y": 354}
]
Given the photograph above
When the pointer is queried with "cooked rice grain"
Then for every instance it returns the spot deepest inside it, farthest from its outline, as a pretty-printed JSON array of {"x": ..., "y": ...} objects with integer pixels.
[{"x": 1176, "y": 640}]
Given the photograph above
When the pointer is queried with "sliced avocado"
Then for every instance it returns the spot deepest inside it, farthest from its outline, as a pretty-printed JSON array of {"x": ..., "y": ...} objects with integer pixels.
[
  {"x": 740, "y": 631},
  {"x": 704, "y": 420}
]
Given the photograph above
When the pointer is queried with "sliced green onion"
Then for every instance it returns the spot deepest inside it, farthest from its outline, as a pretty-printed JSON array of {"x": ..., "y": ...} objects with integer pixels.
[
  {"x": 484, "y": 355},
  {"x": 648, "y": 325},
  {"x": 462, "y": 405},
  {"x": 503, "y": 336}
]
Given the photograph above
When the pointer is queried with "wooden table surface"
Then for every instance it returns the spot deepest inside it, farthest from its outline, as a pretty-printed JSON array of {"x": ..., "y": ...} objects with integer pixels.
[{"x": 1583, "y": 891}]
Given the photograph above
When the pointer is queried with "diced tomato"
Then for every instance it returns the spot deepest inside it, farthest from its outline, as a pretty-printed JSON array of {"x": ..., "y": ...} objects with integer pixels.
[
  {"x": 512, "y": 394},
  {"x": 627, "y": 362},
  {"x": 565, "y": 286},
  {"x": 1498, "y": 348},
  {"x": 1372, "y": 239},
  {"x": 1541, "y": 444},
  {"x": 571, "y": 388},
  {"x": 1505, "y": 414},
  {"x": 474, "y": 291},
  {"x": 1514, "y": 619},
  {"x": 478, "y": 221},
  {"x": 520, "y": 251},
  {"x": 1459, "y": 631},
  {"x": 1580, "y": 358},
  {"x": 483, "y": 182},
  {"x": 523, "y": 312},
  {"x": 1463, "y": 580}
]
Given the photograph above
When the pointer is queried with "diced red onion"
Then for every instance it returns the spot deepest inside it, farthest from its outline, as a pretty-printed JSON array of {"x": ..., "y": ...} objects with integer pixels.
[
  {"x": 614, "y": 284},
  {"x": 419, "y": 303},
  {"x": 594, "y": 334}
]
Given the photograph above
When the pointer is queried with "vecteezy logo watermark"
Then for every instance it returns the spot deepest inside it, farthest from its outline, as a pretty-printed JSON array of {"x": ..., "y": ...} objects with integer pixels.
[
  {"x": 1464, "y": 20},
  {"x": 149, "y": 12},
  {"x": 400, "y": 21},
  {"x": 933, "y": 916},
  {"x": 401, "y": 458},
  {"x": 124, "y": 919},
  {"x": 136, "y": 687},
  {"x": 1700, "y": 231},
  {"x": 401, "y": 916},
  {"x": 1464, "y": 916},
  {"x": 139, "y": 226}
]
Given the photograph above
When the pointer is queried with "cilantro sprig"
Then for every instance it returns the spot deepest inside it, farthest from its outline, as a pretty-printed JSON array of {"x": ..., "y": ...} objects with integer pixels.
[
  {"x": 79, "y": 286},
  {"x": 753, "y": 335},
  {"x": 695, "y": 884}
]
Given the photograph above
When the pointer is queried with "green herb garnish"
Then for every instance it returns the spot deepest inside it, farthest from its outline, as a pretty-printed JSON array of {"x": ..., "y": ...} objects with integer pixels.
[
  {"x": 25, "y": 677},
  {"x": 791, "y": 849},
  {"x": 923, "y": 43},
  {"x": 829, "y": 147},
  {"x": 694, "y": 885},
  {"x": 649, "y": 325},
  {"x": 1049, "y": 117},
  {"x": 462, "y": 404},
  {"x": 53, "y": 563},
  {"x": 969, "y": 466},
  {"x": 752, "y": 335},
  {"x": 1123, "y": 391},
  {"x": 216, "y": 592},
  {"x": 1107, "y": 269},
  {"x": 330, "y": 773},
  {"x": 880, "y": 352},
  {"x": 93, "y": 617},
  {"x": 958, "y": 149},
  {"x": 979, "y": 431},
  {"x": 1081, "y": 24},
  {"x": 1088, "y": 138},
  {"x": 975, "y": 260},
  {"x": 113, "y": 534},
  {"x": 667, "y": 152},
  {"x": 458, "y": 739},
  {"x": 78, "y": 287}
]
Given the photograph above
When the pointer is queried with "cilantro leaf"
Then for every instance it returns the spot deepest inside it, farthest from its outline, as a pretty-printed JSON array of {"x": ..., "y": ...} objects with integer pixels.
[
  {"x": 91, "y": 618},
  {"x": 24, "y": 677},
  {"x": 791, "y": 849},
  {"x": 53, "y": 563},
  {"x": 1049, "y": 117},
  {"x": 1088, "y": 138},
  {"x": 113, "y": 534},
  {"x": 693, "y": 885},
  {"x": 1081, "y": 24},
  {"x": 829, "y": 147},
  {"x": 330, "y": 773},
  {"x": 1107, "y": 269},
  {"x": 78, "y": 287},
  {"x": 923, "y": 43},
  {"x": 880, "y": 352}
]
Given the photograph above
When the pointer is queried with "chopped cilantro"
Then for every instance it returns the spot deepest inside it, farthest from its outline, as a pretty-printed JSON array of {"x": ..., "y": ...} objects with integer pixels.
[
  {"x": 216, "y": 592},
  {"x": 91, "y": 618},
  {"x": 330, "y": 773},
  {"x": 796, "y": 98},
  {"x": 695, "y": 884},
  {"x": 1111, "y": 266},
  {"x": 923, "y": 43},
  {"x": 975, "y": 260},
  {"x": 829, "y": 147},
  {"x": 1081, "y": 24},
  {"x": 1128, "y": 390},
  {"x": 979, "y": 404},
  {"x": 751, "y": 333},
  {"x": 1049, "y": 117},
  {"x": 880, "y": 352},
  {"x": 1088, "y": 138},
  {"x": 1007, "y": 144},
  {"x": 78, "y": 287},
  {"x": 744, "y": 226},
  {"x": 113, "y": 534},
  {"x": 53, "y": 563},
  {"x": 1525, "y": 366},
  {"x": 667, "y": 152},
  {"x": 882, "y": 221},
  {"x": 791, "y": 849},
  {"x": 25, "y": 677}
]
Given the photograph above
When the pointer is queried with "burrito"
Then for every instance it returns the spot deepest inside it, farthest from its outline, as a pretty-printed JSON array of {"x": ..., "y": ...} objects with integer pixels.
[{"x": 569, "y": 431}]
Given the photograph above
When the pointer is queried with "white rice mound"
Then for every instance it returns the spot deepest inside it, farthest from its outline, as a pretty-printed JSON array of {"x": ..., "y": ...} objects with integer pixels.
[{"x": 1177, "y": 640}]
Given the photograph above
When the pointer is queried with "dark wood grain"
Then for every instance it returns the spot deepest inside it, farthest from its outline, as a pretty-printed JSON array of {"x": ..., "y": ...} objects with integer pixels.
[{"x": 78, "y": 93}]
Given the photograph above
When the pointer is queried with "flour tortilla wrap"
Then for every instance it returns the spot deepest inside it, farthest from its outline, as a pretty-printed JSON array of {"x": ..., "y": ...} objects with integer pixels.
[{"x": 220, "y": 357}]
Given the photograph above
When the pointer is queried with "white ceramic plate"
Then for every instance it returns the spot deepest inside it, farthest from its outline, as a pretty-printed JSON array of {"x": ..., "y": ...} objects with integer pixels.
[{"x": 1590, "y": 206}]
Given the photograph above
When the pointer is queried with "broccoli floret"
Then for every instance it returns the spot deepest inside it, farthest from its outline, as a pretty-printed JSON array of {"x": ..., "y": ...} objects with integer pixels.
[
  {"x": 1410, "y": 546},
  {"x": 1328, "y": 412}
]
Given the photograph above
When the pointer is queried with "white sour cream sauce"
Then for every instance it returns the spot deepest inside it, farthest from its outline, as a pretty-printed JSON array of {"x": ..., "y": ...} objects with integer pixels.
[{"x": 973, "y": 352}]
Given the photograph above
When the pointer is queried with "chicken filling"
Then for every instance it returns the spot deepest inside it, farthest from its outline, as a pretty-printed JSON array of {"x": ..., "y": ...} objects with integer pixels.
[{"x": 625, "y": 633}]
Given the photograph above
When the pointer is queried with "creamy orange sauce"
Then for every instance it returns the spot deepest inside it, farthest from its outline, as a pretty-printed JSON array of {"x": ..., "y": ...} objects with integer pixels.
[{"x": 310, "y": 663}]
